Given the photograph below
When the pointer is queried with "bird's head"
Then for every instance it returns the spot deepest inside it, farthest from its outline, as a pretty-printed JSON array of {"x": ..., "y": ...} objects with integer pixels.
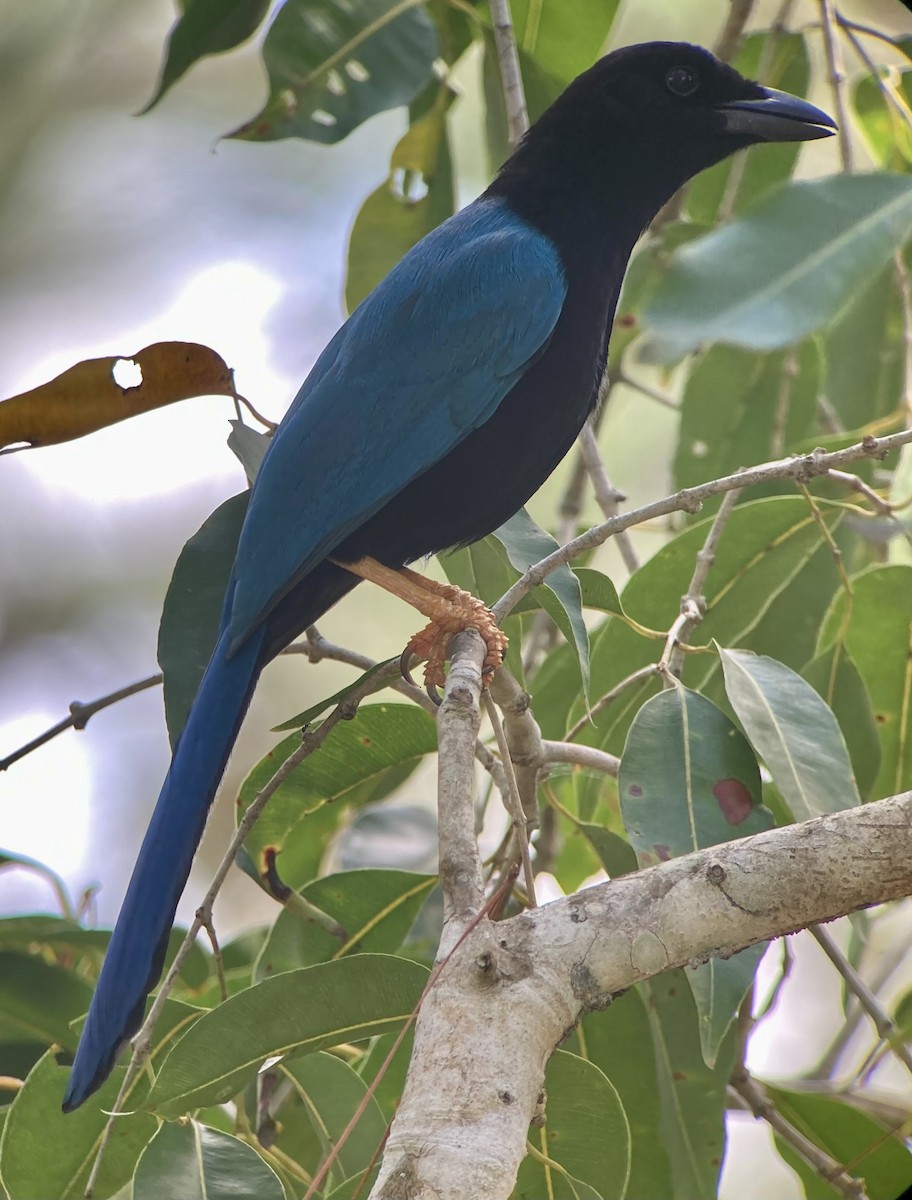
[
  {"x": 627, "y": 133},
  {"x": 669, "y": 92}
]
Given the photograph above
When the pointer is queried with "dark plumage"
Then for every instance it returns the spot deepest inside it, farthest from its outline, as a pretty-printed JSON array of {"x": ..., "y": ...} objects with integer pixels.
[{"x": 440, "y": 406}]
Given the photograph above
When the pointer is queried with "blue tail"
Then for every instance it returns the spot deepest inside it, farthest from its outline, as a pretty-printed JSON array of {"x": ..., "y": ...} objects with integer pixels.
[{"x": 137, "y": 949}]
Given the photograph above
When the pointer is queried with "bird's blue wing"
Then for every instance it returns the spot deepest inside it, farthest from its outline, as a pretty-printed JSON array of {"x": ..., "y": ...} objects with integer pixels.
[{"x": 426, "y": 359}]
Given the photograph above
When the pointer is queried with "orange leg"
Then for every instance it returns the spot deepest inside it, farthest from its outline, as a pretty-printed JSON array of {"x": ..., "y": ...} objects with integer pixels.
[{"x": 449, "y": 608}]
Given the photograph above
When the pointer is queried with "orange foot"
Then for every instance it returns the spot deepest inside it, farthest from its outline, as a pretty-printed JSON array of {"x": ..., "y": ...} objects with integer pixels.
[
  {"x": 450, "y": 609},
  {"x": 455, "y": 610}
]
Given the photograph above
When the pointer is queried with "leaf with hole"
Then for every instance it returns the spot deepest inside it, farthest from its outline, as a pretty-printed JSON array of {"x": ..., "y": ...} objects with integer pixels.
[{"x": 334, "y": 63}]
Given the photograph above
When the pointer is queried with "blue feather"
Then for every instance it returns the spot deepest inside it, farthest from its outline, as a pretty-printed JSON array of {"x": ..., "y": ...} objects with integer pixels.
[
  {"x": 137, "y": 948},
  {"x": 425, "y": 359}
]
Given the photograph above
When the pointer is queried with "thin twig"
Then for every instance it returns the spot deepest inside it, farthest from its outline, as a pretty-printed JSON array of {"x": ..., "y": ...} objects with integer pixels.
[
  {"x": 317, "y": 648},
  {"x": 606, "y": 494},
  {"x": 523, "y": 739},
  {"x": 693, "y": 602},
  {"x": 638, "y": 676},
  {"x": 646, "y": 389},
  {"x": 209, "y": 926},
  {"x": 885, "y": 1026},
  {"x": 870, "y": 30},
  {"x": 80, "y": 715},
  {"x": 892, "y": 959},
  {"x": 832, "y": 1172},
  {"x": 837, "y": 78},
  {"x": 728, "y": 43},
  {"x": 888, "y": 93},
  {"x": 581, "y": 756},
  {"x": 510, "y": 73},
  {"x": 905, "y": 296},
  {"x": 801, "y": 468},
  {"x": 517, "y": 814}
]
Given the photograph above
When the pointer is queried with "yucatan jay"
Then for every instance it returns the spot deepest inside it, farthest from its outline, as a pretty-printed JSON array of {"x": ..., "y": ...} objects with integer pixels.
[{"x": 440, "y": 406}]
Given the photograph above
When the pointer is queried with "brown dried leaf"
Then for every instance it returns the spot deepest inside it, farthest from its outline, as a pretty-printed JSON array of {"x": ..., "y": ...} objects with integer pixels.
[{"x": 87, "y": 397}]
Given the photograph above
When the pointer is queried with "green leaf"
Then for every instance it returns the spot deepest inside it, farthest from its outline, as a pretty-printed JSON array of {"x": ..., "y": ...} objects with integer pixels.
[
  {"x": 768, "y": 589},
  {"x": 692, "y": 1096},
  {"x": 376, "y": 909},
  {"x": 887, "y": 133},
  {"x": 862, "y": 352},
  {"x": 205, "y": 27},
  {"x": 877, "y": 632},
  {"x": 360, "y": 761},
  {"x": 309, "y": 715},
  {"x": 189, "y": 1161},
  {"x": 248, "y": 446},
  {"x": 331, "y": 1092},
  {"x": 754, "y": 172},
  {"x": 391, "y": 1082},
  {"x": 849, "y": 1136},
  {"x": 38, "y": 1001},
  {"x": 332, "y": 65},
  {"x": 586, "y": 1133},
  {"x": 527, "y": 543},
  {"x": 416, "y": 198},
  {"x": 48, "y": 1154},
  {"x": 739, "y": 408},
  {"x": 688, "y": 780},
  {"x": 564, "y": 37},
  {"x": 785, "y": 268},
  {"x": 795, "y": 732},
  {"x": 618, "y": 1040},
  {"x": 65, "y": 938},
  {"x": 297, "y": 1012},
  {"x": 193, "y": 608},
  {"x": 835, "y": 678},
  {"x": 616, "y": 855}
]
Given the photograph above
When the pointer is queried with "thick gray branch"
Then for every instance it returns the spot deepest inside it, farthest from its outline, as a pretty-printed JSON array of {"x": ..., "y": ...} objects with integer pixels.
[{"x": 511, "y": 990}]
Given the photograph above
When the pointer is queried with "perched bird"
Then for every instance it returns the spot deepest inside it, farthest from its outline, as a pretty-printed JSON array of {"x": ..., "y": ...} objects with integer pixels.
[{"x": 435, "y": 412}]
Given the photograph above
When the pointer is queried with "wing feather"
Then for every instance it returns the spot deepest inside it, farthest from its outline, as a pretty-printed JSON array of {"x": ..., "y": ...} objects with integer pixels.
[{"x": 425, "y": 359}]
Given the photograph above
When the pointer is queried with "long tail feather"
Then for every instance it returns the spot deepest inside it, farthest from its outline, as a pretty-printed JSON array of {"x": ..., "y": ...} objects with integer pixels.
[{"x": 137, "y": 949}]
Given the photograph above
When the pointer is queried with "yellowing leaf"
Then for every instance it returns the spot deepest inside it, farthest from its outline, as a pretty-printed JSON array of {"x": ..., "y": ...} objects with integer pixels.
[{"x": 88, "y": 396}]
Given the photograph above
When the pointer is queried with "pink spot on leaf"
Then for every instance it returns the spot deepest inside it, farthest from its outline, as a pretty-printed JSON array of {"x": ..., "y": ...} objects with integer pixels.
[{"x": 734, "y": 800}]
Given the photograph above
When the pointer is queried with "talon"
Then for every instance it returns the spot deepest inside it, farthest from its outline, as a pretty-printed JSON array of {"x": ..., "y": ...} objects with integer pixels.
[
  {"x": 405, "y": 660},
  {"x": 435, "y": 696}
]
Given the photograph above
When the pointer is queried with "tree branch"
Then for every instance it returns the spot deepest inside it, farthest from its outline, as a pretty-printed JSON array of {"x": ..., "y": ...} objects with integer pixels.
[
  {"x": 801, "y": 468},
  {"x": 458, "y": 720},
  {"x": 475, "y": 1078}
]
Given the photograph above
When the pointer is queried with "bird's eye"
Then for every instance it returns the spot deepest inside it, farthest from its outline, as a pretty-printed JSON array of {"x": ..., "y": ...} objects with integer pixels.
[{"x": 681, "y": 81}]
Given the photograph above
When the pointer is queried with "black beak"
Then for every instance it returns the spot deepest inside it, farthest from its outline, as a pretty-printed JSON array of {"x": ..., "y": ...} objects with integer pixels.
[{"x": 776, "y": 117}]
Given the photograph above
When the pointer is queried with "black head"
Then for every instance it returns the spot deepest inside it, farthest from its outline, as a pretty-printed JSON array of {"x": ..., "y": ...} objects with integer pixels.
[
  {"x": 668, "y": 93},
  {"x": 649, "y": 117}
]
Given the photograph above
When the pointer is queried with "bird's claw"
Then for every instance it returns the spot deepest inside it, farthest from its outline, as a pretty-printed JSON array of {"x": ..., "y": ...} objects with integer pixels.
[{"x": 433, "y": 641}]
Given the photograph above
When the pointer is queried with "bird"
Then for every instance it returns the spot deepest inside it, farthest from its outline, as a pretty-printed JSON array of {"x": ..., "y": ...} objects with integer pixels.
[{"x": 438, "y": 408}]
